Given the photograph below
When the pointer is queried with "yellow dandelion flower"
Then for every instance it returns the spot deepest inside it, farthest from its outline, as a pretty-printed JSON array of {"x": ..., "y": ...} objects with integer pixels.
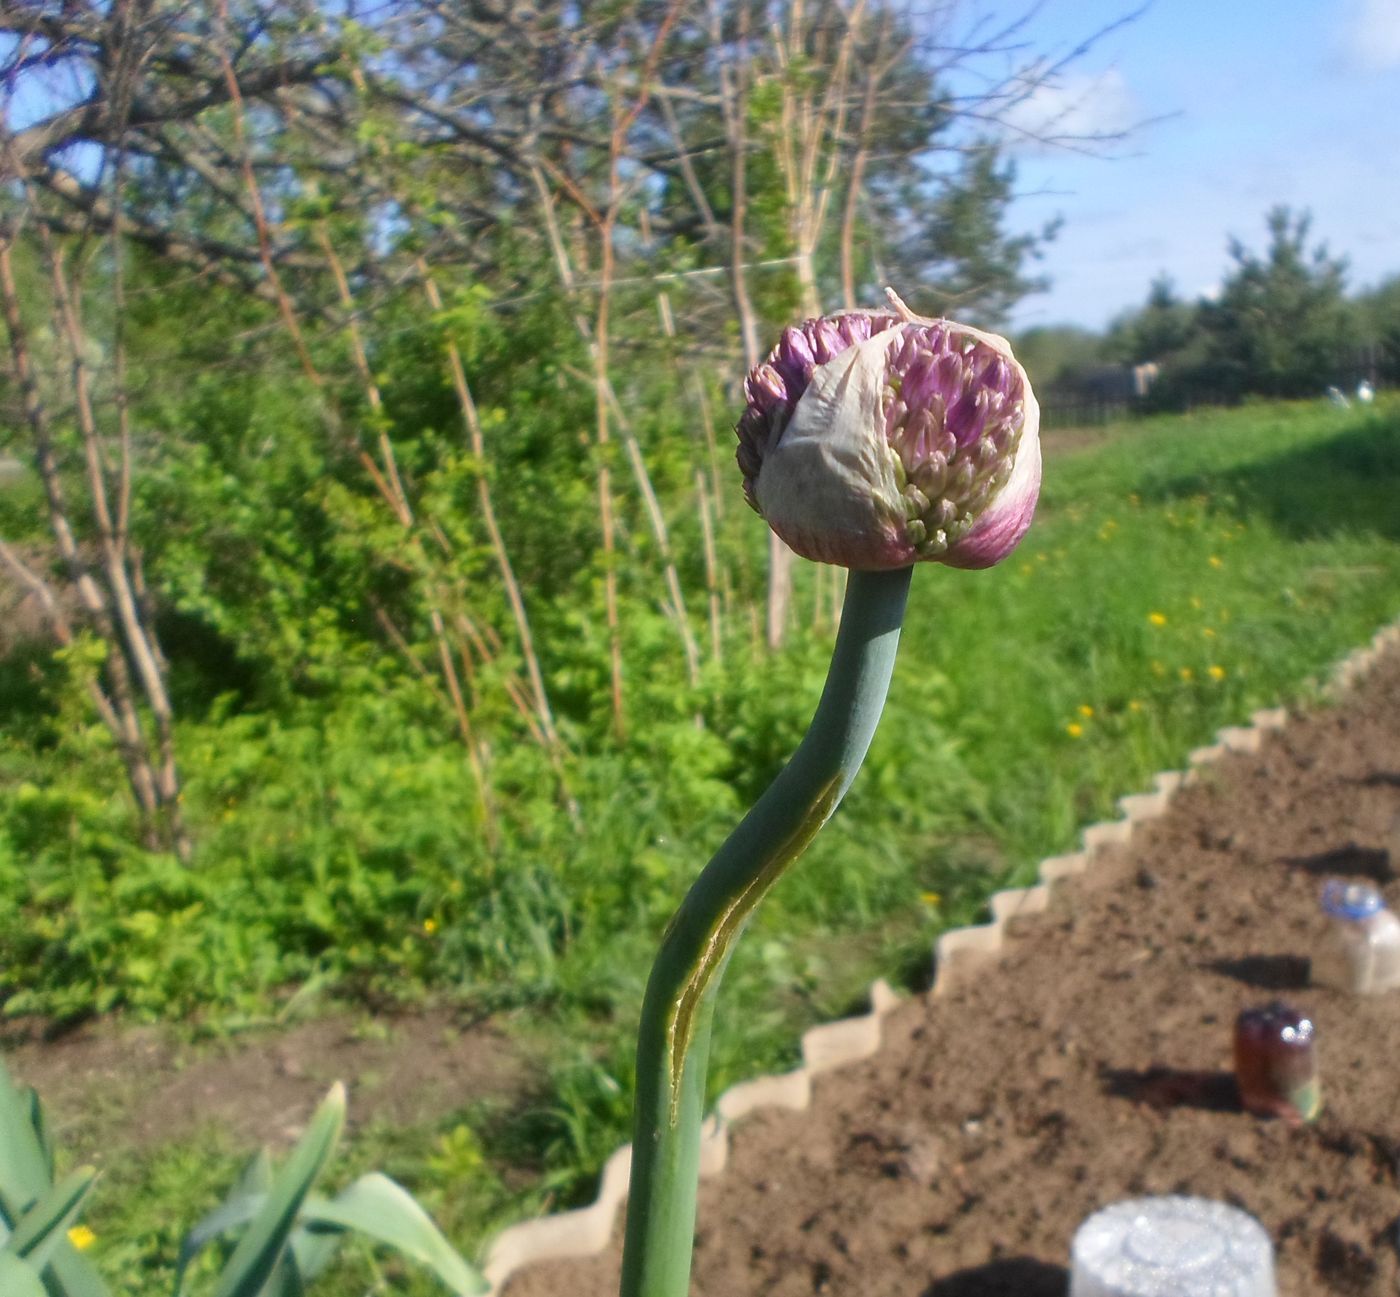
[
  {"x": 1215, "y": 561},
  {"x": 930, "y": 898},
  {"x": 1186, "y": 673},
  {"x": 430, "y": 926},
  {"x": 1196, "y": 602},
  {"x": 1085, "y": 710},
  {"x": 1158, "y": 668},
  {"x": 1157, "y": 618},
  {"x": 1134, "y": 705},
  {"x": 81, "y": 1237},
  {"x": 1075, "y": 730},
  {"x": 1208, "y": 632},
  {"x": 1215, "y": 672}
]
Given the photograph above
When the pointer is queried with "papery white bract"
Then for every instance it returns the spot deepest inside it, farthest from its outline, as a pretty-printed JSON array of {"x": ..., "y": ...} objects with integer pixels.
[{"x": 877, "y": 439}]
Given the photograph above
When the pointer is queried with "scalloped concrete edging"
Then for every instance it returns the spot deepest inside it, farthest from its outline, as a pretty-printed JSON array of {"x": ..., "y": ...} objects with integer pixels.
[{"x": 587, "y": 1231}]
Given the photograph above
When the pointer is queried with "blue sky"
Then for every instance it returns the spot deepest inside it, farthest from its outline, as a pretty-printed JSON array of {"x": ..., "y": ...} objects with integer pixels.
[{"x": 1261, "y": 101}]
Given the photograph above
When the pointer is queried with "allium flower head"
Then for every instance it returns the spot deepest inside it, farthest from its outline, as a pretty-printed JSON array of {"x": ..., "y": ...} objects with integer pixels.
[{"x": 876, "y": 439}]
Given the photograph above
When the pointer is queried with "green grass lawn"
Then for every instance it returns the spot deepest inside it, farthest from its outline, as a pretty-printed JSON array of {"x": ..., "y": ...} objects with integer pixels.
[{"x": 1180, "y": 574}]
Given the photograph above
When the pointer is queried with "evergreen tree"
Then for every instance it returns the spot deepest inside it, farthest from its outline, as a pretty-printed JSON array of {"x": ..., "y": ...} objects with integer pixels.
[
  {"x": 1281, "y": 327},
  {"x": 952, "y": 239},
  {"x": 1158, "y": 332}
]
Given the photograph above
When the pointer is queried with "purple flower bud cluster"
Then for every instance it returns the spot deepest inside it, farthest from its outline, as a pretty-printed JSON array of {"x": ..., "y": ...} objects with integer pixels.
[
  {"x": 875, "y": 439},
  {"x": 954, "y": 410},
  {"x": 774, "y": 387}
]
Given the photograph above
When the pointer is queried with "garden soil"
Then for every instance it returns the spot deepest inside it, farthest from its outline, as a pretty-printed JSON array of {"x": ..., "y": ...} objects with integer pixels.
[
  {"x": 108, "y": 1088},
  {"x": 1091, "y": 1062}
]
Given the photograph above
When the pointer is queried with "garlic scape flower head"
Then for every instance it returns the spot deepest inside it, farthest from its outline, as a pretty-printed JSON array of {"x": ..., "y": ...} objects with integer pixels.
[{"x": 876, "y": 439}]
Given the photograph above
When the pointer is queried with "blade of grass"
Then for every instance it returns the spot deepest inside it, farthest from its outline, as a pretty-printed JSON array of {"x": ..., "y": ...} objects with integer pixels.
[
  {"x": 381, "y": 1209},
  {"x": 17, "y": 1279},
  {"x": 260, "y": 1249},
  {"x": 46, "y": 1223}
]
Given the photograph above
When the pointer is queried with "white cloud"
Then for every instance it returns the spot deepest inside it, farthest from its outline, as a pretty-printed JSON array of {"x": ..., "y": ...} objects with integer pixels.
[
  {"x": 1373, "y": 34},
  {"x": 1075, "y": 109}
]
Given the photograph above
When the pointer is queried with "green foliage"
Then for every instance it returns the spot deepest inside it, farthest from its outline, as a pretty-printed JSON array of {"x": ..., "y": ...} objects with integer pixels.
[
  {"x": 342, "y": 837},
  {"x": 1378, "y": 325},
  {"x": 287, "y": 1235},
  {"x": 35, "y": 1210}
]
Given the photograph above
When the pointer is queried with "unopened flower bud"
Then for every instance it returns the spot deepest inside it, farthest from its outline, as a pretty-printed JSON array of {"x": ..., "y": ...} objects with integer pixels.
[{"x": 876, "y": 439}]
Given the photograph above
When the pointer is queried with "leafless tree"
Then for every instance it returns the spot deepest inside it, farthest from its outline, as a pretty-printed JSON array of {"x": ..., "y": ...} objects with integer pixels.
[{"x": 716, "y": 162}]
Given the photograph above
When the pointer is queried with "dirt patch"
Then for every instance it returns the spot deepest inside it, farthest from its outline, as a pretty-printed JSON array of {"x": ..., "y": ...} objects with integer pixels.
[
  {"x": 1090, "y": 1063},
  {"x": 137, "y": 1088}
]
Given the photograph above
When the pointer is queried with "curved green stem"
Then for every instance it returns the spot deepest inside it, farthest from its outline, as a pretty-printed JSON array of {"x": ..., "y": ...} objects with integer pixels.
[{"x": 673, "y": 1041}]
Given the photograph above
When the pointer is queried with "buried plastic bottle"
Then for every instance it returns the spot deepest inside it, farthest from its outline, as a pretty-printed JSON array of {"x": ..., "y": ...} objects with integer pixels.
[
  {"x": 1362, "y": 950},
  {"x": 1171, "y": 1247}
]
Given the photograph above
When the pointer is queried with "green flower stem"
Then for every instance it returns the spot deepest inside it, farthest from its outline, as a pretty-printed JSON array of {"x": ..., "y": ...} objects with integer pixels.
[{"x": 673, "y": 1041}]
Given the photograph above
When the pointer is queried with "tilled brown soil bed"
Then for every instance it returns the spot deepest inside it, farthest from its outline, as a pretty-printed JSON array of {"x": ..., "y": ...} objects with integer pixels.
[{"x": 1090, "y": 1063}]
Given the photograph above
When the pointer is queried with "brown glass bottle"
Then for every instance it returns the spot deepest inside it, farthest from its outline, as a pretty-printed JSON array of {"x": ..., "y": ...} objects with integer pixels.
[{"x": 1276, "y": 1063}]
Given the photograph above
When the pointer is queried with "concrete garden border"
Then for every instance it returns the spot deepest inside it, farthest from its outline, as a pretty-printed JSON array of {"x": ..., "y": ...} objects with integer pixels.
[{"x": 588, "y": 1230}]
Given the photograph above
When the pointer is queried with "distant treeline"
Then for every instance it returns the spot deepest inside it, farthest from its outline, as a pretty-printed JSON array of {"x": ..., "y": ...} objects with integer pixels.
[
  {"x": 1281, "y": 326},
  {"x": 1103, "y": 393}
]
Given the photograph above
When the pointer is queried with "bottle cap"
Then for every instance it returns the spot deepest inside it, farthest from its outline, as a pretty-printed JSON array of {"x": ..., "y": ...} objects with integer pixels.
[
  {"x": 1172, "y": 1247},
  {"x": 1352, "y": 901}
]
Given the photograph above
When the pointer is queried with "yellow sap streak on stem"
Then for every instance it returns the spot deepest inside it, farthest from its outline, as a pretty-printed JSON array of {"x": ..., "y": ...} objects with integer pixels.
[{"x": 727, "y": 928}]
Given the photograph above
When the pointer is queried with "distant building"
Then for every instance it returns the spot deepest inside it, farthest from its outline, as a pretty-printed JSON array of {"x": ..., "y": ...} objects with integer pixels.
[
  {"x": 1143, "y": 378},
  {"x": 1097, "y": 393}
]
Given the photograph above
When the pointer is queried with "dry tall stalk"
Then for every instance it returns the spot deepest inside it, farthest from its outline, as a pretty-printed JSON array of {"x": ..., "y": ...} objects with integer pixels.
[
  {"x": 133, "y": 664},
  {"x": 385, "y": 477},
  {"x": 596, "y": 334},
  {"x": 543, "y": 713},
  {"x": 398, "y": 501}
]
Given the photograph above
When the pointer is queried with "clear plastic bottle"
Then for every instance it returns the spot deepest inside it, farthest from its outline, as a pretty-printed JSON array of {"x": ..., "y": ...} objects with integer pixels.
[
  {"x": 1171, "y": 1247},
  {"x": 1364, "y": 954}
]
